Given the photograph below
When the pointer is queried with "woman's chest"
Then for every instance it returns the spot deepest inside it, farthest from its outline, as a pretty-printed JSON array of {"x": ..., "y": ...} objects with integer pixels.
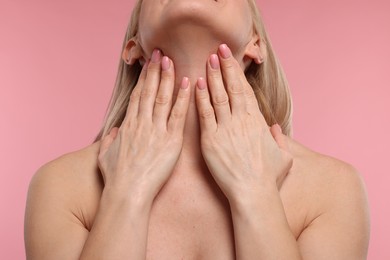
[{"x": 191, "y": 219}]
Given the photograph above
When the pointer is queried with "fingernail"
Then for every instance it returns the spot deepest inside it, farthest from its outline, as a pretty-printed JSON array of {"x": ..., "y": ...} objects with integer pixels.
[
  {"x": 185, "y": 83},
  {"x": 201, "y": 83},
  {"x": 225, "y": 51},
  {"x": 165, "y": 63},
  {"x": 214, "y": 61},
  {"x": 156, "y": 56}
]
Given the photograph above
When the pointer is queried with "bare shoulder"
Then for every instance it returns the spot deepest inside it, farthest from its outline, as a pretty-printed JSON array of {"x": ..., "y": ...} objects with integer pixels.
[
  {"x": 69, "y": 183},
  {"x": 333, "y": 196},
  {"x": 61, "y": 202},
  {"x": 326, "y": 173},
  {"x": 69, "y": 168}
]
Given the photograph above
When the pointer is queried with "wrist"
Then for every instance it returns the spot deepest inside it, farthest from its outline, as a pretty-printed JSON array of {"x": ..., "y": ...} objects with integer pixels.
[
  {"x": 262, "y": 195},
  {"x": 134, "y": 201}
]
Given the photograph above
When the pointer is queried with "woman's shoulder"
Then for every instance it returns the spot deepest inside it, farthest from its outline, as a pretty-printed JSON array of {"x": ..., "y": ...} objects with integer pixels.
[
  {"x": 73, "y": 162},
  {"x": 326, "y": 181},
  {"x": 64, "y": 190},
  {"x": 69, "y": 173},
  {"x": 332, "y": 196},
  {"x": 319, "y": 165}
]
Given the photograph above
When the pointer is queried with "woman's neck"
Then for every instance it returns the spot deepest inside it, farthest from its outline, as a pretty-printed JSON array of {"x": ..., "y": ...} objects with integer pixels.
[
  {"x": 189, "y": 52},
  {"x": 190, "y": 64}
]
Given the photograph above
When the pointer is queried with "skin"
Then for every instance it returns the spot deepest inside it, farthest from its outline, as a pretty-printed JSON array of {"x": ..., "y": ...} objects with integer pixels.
[{"x": 194, "y": 171}]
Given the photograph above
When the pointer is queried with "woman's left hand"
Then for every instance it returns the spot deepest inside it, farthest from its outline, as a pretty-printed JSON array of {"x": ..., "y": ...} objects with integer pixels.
[{"x": 242, "y": 152}]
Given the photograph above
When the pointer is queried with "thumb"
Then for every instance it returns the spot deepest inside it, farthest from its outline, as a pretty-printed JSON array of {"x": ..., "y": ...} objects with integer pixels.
[
  {"x": 108, "y": 139},
  {"x": 114, "y": 132},
  {"x": 282, "y": 142},
  {"x": 279, "y": 137}
]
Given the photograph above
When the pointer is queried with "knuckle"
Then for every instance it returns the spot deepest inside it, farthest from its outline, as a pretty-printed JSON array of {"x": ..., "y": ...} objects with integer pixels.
[
  {"x": 249, "y": 93},
  {"x": 215, "y": 75},
  {"x": 154, "y": 68},
  {"x": 182, "y": 95},
  {"x": 162, "y": 99},
  {"x": 135, "y": 95},
  {"x": 221, "y": 100},
  {"x": 206, "y": 113},
  {"x": 176, "y": 114},
  {"x": 202, "y": 96},
  {"x": 146, "y": 93},
  {"x": 229, "y": 64},
  {"x": 167, "y": 76},
  {"x": 235, "y": 88}
]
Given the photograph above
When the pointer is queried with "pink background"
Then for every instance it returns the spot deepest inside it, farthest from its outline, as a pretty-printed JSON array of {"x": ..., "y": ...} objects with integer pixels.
[{"x": 58, "y": 61}]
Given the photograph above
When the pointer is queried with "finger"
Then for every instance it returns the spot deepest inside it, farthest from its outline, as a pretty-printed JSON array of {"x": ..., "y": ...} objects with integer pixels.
[
  {"x": 149, "y": 89},
  {"x": 178, "y": 115},
  {"x": 282, "y": 142},
  {"x": 107, "y": 140},
  {"x": 252, "y": 105},
  {"x": 114, "y": 132},
  {"x": 206, "y": 113},
  {"x": 132, "y": 108},
  {"x": 219, "y": 97},
  {"x": 163, "y": 101},
  {"x": 279, "y": 137},
  {"x": 231, "y": 71}
]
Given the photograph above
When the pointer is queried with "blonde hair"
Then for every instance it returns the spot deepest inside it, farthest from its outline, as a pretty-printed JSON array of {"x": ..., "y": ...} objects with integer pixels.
[{"x": 267, "y": 80}]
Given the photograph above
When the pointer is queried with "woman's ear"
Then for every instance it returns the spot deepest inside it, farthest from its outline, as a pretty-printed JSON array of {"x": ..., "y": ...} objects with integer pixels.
[
  {"x": 133, "y": 52},
  {"x": 254, "y": 51}
]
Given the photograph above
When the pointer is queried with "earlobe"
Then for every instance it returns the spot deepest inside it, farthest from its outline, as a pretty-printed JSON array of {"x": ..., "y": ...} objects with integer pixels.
[
  {"x": 254, "y": 51},
  {"x": 132, "y": 52}
]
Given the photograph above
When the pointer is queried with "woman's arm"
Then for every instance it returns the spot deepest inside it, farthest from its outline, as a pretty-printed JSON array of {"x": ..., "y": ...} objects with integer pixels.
[
  {"x": 134, "y": 164},
  {"x": 339, "y": 232},
  {"x": 261, "y": 229},
  {"x": 249, "y": 162}
]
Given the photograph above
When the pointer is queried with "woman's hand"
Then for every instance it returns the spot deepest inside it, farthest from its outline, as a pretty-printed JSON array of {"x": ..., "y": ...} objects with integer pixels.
[
  {"x": 237, "y": 144},
  {"x": 139, "y": 157}
]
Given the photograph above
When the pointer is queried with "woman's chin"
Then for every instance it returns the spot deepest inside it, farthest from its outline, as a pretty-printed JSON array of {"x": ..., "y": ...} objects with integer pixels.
[
  {"x": 202, "y": 12},
  {"x": 202, "y": 23}
]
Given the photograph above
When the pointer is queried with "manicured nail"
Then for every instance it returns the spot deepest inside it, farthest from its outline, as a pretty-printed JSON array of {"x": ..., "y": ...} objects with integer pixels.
[
  {"x": 156, "y": 56},
  {"x": 165, "y": 63},
  {"x": 214, "y": 61},
  {"x": 201, "y": 83},
  {"x": 225, "y": 51},
  {"x": 185, "y": 83}
]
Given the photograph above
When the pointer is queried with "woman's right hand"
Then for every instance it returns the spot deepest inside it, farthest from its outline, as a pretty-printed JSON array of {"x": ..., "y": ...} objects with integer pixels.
[{"x": 138, "y": 158}]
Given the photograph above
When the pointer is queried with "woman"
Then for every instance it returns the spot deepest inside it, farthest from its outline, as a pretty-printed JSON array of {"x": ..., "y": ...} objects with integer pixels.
[{"x": 186, "y": 165}]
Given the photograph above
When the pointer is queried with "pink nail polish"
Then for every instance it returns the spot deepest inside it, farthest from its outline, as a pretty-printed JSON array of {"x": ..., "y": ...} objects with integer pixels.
[
  {"x": 225, "y": 51},
  {"x": 214, "y": 61},
  {"x": 185, "y": 83},
  {"x": 156, "y": 56},
  {"x": 165, "y": 63},
  {"x": 201, "y": 83}
]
